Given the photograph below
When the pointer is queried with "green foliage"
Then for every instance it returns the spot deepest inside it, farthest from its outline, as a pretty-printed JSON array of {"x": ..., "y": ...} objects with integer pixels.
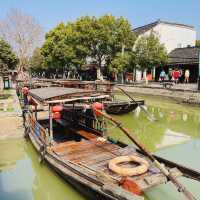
[
  {"x": 197, "y": 43},
  {"x": 120, "y": 63},
  {"x": 149, "y": 52},
  {"x": 105, "y": 40},
  {"x": 8, "y": 59},
  {"x": 62, "y": 47},
  {"x": 37, "y": 61},
  {"x": 99, "y": 39}
]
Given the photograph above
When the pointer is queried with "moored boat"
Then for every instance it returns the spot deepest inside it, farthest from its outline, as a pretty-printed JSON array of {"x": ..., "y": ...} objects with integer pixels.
[
  {"x": 72, "y": 143},
  {"x": 121, "y": 107}
]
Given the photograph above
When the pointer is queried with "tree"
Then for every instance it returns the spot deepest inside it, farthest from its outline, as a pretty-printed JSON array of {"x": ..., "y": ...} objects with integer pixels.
[
  {"x": 23, "y": 33},
  {"x": 197, "y": 43},
  {"x": 8, "y": 59},
  {"x": 120, "y": 63},
  {"x": 149, "y": 52},
  {"x": 63, "y": 48},
  {"x": 104, "y": 37},
  {"x": 37, "y": 61},
  {"x": 97, "y": 40}
]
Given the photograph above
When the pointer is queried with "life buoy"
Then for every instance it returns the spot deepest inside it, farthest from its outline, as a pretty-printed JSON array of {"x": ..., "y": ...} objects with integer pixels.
[{"x": 125, "y": 171}]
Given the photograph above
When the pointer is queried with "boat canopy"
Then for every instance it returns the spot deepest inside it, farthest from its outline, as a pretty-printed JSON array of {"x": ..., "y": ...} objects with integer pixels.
[{"x": 61, "y": 95}]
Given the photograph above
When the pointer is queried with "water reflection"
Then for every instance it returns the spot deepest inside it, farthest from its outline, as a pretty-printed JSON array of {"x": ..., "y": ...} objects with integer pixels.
[
  {"x": 23, "y": 178},
  {"x": 174, "y": 117},
  {"x": 11, "y": 151}
]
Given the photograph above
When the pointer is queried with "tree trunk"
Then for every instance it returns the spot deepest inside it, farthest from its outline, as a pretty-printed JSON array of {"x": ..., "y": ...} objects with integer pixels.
[
  {"x": 1, "y": 83},
  {"x": 99, "y": 76},
  {"x": 122, "y": 74}
]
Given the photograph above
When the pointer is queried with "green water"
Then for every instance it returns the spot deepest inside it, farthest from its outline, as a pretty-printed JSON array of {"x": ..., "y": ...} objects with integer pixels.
[{"x": 23, "y": 178}]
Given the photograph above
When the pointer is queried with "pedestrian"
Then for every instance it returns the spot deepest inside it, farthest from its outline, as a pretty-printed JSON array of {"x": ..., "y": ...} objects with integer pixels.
[
  {"x": 176, "y": 75},
  {"x": 187, "y": 75},
  {"x": 162, "y": 75},
  {"x": 25, "y": 91}
]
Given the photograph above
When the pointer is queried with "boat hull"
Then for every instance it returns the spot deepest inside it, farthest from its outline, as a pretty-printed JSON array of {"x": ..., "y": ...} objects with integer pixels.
[
  {"x": 80, "y": 184},
  {"x": 121, "y": 107}
]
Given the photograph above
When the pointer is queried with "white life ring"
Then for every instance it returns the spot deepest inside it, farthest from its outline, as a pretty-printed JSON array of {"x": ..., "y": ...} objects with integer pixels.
[{"x": 125, "y": 171}]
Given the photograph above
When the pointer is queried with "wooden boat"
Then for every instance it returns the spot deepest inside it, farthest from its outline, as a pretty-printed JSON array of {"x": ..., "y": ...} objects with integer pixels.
[
  {"x": 121, "y": 107},
  {"x": 74, "y": 147},
  {"x": 116, "y": 106}
]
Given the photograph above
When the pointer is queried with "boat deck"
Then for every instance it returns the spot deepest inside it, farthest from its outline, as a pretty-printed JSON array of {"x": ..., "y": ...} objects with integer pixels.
[{"x": 94, "y": 154}]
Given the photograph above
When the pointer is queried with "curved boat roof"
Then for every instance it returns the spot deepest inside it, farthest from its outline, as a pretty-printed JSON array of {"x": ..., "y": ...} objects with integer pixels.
[{"x": 61, "y": 94}]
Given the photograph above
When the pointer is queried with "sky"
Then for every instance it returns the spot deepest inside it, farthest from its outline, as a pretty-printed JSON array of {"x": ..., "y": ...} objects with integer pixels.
[{"x": 139, "y": 12}]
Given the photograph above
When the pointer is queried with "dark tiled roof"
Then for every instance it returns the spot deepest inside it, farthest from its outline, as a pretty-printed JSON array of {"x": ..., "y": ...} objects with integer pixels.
[
  {"x": 143, "y": 29},
  {"x": 42, "y": 94},
  {"x": 188, "y": 55}
]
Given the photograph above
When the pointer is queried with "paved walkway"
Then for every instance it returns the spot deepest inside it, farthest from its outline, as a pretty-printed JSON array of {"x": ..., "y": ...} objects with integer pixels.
[
  {"x": 156, "y": 85},
  {"x": 10, "y": 115},
  {"x": 186, "y": 93}
]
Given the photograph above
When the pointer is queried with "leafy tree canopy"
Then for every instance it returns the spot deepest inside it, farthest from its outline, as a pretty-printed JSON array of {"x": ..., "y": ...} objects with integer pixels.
[
  {"x": 197, "y": 43},
  {"x": 88, "y": 38},
  {"x": 8, "y": 59},
  {"x": 149, "y": 52},
  {"x": 37, "y": 61}
]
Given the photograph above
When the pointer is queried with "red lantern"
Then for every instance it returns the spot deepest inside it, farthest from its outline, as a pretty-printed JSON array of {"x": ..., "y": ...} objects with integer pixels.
[
  {"x": 97, "y": 106},
  {"x": 57, "y": 108},
  {"x": 56, "y": 115}
]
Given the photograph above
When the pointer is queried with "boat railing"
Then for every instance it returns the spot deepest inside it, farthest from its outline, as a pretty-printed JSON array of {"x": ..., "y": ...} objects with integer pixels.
[
  {"x": 37, "y": 129},
  {"x": 85, "y": 119}
]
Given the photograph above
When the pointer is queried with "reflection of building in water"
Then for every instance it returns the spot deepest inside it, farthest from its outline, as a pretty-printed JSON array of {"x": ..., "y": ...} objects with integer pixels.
[
  {"x": 172, "y": 115},
  {"x": 172, "y": 138},
  {"x": 137, "y": 112},
  {"x": 161, "y": 114},
  {"x": 184, "y": 117}
]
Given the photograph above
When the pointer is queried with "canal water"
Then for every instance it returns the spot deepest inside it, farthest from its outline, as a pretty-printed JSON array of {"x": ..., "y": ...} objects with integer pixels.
[{"x": 174, "y": 135}]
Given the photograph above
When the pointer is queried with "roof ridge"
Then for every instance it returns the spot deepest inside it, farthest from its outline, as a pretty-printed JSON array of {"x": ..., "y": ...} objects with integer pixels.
[{"x": 159, "y": 21}]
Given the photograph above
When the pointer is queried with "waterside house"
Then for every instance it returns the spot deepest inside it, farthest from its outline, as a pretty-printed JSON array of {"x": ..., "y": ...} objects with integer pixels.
[
  {"x": 172, "y": 35},
  {"x": 185, "y": 58}
]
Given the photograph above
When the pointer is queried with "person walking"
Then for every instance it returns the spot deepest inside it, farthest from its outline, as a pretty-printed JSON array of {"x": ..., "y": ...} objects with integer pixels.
[
  {"x": 187, "y": 75},
  {"x": 162, "y": 75},
  {"x": 176, "y": 75}
]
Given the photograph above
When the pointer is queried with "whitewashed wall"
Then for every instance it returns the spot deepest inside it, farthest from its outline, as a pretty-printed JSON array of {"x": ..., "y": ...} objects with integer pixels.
[{"x": 174, "y": 36}]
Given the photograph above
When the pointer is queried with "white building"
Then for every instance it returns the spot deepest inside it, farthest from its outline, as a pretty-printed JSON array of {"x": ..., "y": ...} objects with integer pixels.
[{"x": 172, "y": 35}]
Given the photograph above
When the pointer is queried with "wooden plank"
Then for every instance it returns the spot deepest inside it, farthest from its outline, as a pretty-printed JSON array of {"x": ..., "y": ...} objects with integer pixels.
[
  {"x": 89, "y": 153},
  {"x": 83, "y": 146},
  {"x": 87, "y": 134}
]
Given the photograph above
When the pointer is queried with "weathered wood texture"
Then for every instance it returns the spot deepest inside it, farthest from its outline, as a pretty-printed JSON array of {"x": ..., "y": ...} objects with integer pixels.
[{"x": 95, "y": 155}]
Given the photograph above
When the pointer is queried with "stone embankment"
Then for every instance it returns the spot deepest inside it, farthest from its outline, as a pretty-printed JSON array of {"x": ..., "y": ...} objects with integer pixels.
[
  {"x": 11, "y": 123},
  {"x": 182, "y": 92}
]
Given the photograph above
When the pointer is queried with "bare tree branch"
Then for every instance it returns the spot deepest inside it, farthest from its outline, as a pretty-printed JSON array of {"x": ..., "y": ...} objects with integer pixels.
[{"x": 23, "y": 33}]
